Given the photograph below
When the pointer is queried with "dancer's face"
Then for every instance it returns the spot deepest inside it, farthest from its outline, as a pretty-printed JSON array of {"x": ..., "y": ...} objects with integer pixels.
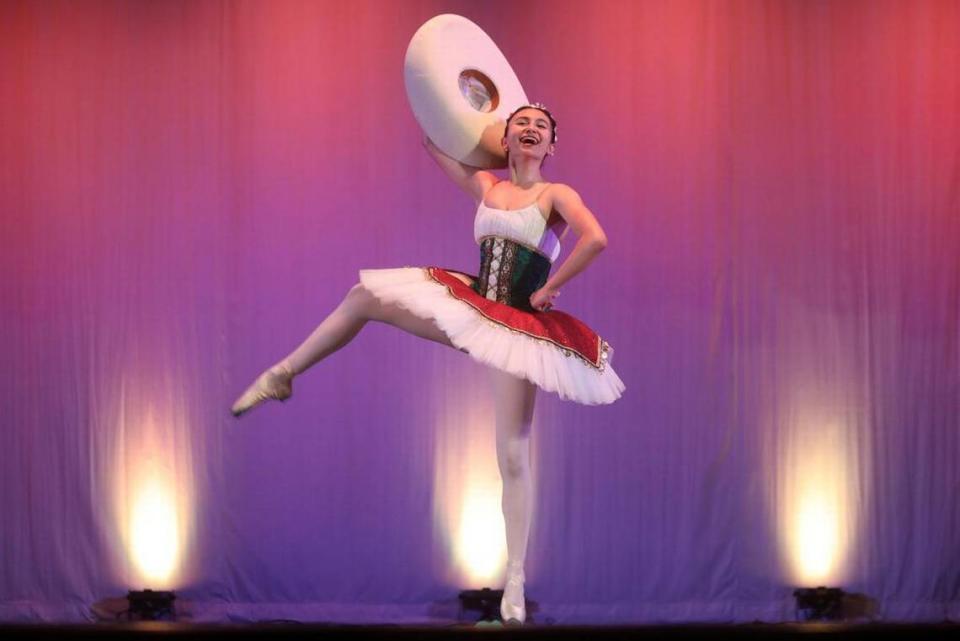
[{"x": 529, "y": 134}]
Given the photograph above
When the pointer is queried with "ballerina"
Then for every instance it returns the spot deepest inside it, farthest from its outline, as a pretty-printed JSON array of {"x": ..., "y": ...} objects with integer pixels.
[{"x": 503, "y": 317}]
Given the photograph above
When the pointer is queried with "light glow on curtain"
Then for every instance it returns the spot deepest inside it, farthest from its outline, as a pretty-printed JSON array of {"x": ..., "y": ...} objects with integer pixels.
[
  {"x": 466, "y": 494},
  {"x": 188, "y": 187},
  {"x": 818, "y": 516},
  {"x": 152, "y": 482}
]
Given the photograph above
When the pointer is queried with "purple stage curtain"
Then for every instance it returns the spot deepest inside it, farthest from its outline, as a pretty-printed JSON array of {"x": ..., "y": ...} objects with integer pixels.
[{"x": 188, "y": 187}]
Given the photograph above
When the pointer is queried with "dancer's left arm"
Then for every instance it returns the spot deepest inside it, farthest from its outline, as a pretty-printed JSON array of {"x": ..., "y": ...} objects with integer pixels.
[{"x": 590, "y": 241}]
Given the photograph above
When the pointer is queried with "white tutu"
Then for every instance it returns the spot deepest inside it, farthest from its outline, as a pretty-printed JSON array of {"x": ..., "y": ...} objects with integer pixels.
[{"x": 465, "y": 317}]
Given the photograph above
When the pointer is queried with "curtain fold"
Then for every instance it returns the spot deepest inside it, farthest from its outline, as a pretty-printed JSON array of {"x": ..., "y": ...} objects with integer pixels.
[{"x": 188, "y": 188}]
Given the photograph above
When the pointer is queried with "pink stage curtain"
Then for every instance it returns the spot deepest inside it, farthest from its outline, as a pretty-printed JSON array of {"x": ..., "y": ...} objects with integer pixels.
[{"x": 188, "y": 187}]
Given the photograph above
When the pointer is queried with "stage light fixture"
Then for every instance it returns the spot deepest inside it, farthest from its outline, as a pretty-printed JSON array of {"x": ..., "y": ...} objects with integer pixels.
[
  {"x": 485, "y": 601},
  {"x": 819, "y": 604},
  {"x": 149, "y": 605}
]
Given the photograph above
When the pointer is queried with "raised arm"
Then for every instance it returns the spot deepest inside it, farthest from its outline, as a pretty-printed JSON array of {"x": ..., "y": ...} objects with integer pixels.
[
  {"x": 472, "y": 180},
  {"x": 591, "y": 240}
]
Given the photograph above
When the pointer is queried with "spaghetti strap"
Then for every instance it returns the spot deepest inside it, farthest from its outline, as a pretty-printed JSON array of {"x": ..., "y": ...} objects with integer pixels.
[
  {"x": 536, "y": 200},
  {"x": 540, "y": 193}
]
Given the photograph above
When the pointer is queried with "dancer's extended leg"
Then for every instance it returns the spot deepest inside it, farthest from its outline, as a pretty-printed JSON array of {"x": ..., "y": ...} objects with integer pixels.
[
  {"x": 346, "y": 321},
  {"x": 336, "y": 330},
  {"x": 514, "y": 416}
]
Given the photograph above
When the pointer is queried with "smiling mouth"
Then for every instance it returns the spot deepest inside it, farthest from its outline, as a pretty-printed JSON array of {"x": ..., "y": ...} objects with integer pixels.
[{"x": 529, "y": 139}]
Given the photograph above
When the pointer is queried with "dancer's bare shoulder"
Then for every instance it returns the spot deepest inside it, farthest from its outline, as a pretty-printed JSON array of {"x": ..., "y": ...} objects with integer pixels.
[
  {"x": 561, "y": 194},
  {"x": 567, "y": 203},
  {"x": 553, "y": 198},
  {"x": 484, "y": 182}
]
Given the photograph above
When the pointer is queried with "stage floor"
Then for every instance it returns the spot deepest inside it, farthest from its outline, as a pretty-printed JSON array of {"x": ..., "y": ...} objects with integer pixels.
[{"x": 286, "y": 630}]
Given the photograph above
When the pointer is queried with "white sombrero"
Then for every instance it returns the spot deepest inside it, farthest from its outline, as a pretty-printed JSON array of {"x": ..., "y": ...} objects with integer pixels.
[{"x": 461, "y": 89}]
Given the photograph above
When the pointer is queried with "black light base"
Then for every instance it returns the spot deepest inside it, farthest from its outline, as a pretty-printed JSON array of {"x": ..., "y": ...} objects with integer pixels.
[
  {"x": 819, "y": 604},
  {"x": 485, "y": 601},
  {"x": 150, "y": 605}
]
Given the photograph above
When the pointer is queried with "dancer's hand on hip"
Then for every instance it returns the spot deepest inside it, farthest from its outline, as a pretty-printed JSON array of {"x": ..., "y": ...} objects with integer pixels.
[{"x": 542, "y": 299}]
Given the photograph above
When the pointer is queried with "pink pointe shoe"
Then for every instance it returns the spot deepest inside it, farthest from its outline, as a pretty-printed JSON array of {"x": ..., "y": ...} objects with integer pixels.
[
  {"x": 513, "y": 608},
  {"x": 275, "y": 383}
]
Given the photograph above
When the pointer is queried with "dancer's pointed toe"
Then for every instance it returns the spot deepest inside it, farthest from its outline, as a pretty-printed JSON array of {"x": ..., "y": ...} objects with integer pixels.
[
  {"x": 275, "y": 383},
  {"x": 513, "y": 608}
]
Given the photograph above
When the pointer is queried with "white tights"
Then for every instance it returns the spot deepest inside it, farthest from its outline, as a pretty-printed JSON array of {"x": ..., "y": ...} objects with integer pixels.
[
  {"x": 514, "y": 416},
  {"x": 514, "y": 401}
]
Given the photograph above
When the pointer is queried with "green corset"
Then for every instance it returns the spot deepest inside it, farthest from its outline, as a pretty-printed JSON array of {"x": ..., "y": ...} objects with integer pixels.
[{"x": 510, "y": 272}]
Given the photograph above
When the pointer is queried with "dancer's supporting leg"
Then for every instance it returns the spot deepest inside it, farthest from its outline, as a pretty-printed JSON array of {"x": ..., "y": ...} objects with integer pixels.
[
  {"x": 514, "y": 416},
  {"x": 336, "y": 330}
]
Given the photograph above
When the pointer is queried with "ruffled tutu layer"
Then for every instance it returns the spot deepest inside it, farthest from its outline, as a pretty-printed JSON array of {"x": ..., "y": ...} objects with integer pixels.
[{"x": 552, "y": 349}]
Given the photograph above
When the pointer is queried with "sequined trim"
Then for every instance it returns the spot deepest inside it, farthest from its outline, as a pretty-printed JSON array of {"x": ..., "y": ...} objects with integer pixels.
[{"x": 603, "y": 348}]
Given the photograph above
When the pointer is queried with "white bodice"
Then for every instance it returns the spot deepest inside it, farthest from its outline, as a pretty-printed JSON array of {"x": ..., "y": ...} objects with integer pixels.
[{"x": 525, "y": 226}]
